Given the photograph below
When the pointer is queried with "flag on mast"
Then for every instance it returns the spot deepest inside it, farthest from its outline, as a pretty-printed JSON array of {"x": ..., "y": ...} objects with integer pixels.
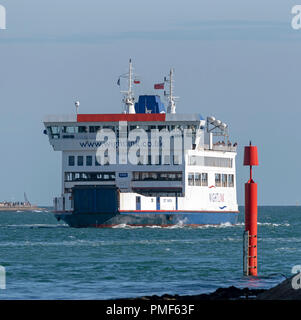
[{"x": 159, "y": 86}]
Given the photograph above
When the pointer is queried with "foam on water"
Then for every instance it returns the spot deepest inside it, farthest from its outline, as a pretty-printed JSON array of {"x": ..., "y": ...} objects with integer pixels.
[
  {"x": 179, "y": 225},
  {"x": 125, "y": 226},
  {"x": 270, "y": 224}
]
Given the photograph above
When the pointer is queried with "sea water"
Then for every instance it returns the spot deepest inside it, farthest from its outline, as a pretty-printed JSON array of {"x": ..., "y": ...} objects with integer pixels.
[{"x": 46, "y": 259}]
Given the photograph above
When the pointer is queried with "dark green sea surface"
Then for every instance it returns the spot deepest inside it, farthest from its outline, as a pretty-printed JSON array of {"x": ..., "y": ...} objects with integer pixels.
[{"x": 45, "y": 259}]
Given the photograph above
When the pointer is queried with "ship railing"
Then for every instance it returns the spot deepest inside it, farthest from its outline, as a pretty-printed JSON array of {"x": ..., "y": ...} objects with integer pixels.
[{"x": 221, "y": 148}]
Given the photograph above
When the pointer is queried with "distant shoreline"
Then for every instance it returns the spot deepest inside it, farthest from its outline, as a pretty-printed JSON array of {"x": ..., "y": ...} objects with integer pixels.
[{"x": 20, "y": 208}]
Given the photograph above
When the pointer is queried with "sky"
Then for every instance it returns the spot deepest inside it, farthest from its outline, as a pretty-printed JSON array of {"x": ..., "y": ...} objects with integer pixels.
[{"x": 239, "y": 61}]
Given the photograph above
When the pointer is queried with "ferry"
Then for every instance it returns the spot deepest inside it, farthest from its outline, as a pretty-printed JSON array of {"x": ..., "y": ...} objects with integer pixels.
[{"x": 145, "y": 166}]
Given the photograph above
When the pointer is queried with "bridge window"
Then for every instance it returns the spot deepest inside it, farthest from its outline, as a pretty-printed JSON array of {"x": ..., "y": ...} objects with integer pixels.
[
  {"x": 70, "y": 129},
  {"x": 109, "y": 127},
  {"x": 54, "y": 132},
  {"x": 94, "y": 128},
  {"x": 82, "y": 129}
]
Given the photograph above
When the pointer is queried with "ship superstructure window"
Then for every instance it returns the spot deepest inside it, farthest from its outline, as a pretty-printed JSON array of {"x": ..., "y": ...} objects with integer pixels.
[
  {"x": 71, "y": 161},
  {"x": 210, "y": 161},
  {"x": 80, "y": 161},
  {"x": 176, "y": 160},
  {"x": 110, "y": 128},
  {"x": 218, "y": 181},
  {"x": 54, "y": 132},
  {"x": 190, "y": 179},
  {"x": 166, "y": 160},
  {"x": 157, "y": 160},
  {"x": 231, "y": 180},
  {"x": 204, "y": 179},
  {"x": 96, "y": 162},
  {"x": 89, "y": 161},
  {"x": 197, "y": 179},
  {"x": 157, "y": 176},
  {"x": 82, "y": 129},
  {"x": 94, "y": 128},
  {"x": 70, "y": 129},
  {"x": 224, "y": 180},
  {"x": 89, "y": 176}
]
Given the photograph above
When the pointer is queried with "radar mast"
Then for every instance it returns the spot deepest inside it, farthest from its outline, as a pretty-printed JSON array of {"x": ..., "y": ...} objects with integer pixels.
[
  {"x": 128, "y": 98},
  {"x": 171, "y": 108}
]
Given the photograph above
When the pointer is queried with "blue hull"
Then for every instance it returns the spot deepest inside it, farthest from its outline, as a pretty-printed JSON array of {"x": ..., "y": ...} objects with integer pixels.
[{"x": 99, "y": 220}]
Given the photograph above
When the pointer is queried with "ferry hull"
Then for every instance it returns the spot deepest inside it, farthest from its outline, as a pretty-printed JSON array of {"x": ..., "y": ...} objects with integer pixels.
[{"x": 147, "y": 218}]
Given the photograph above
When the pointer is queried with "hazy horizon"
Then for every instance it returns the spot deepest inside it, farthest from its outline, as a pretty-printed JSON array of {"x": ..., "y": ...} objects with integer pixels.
[{"x": 236, "y": 61}]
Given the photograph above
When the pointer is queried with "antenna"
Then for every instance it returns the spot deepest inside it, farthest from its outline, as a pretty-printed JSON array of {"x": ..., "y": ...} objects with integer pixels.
[
  {"x": 128, "y": 98},
  {"x": 76, "y": 106},
  {"x": 26, "y": 199},
  {"x": 170, "y": 97}
]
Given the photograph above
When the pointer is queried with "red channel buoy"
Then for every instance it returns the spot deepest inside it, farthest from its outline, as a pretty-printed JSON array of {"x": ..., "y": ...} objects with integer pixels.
[{"x": 251, "y": 211}]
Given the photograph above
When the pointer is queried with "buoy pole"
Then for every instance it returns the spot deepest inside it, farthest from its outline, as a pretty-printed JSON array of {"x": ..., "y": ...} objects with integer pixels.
[{"x": 251, "y": 211}]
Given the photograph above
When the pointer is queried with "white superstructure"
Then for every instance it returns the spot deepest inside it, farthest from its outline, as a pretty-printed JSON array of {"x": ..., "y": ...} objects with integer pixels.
[{"x": 195, "y": 176}]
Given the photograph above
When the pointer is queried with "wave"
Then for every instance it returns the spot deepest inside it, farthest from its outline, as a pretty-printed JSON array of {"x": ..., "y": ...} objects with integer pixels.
[
  {"x": 222, "y": 225},
  {"x": 125, "y": 226},
  {"x": 270, "y": 224},
  {"x": 37, "y": 225},
  {"x": 179, "y": 225}
]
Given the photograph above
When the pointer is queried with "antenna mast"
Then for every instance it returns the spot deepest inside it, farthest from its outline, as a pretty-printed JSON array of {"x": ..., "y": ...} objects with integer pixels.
[
  {"x": 26, "y": 199},
  {"x": 171, "y": 99},
  {"x": 76, "y": 106},
  {"x": 128, "y": 98}
]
